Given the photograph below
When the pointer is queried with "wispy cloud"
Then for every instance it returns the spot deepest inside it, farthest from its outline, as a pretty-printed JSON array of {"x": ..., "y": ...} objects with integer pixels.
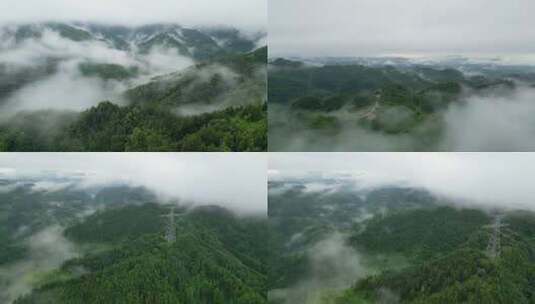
[
  {"x": 485, "y": 179},
  {"x": 233, "y": 180}
]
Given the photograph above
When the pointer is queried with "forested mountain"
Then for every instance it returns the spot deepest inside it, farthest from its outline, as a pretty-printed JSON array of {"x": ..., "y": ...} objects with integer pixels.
[
  {"x": 200, "y": 43},
  {"x": 339, "y": 245},
  {"x": 480, "y": 260},
  {"x": 204, "y": 263},
  {"x": 383, "y": 105},
  {"x": 115, "y": 244},
  {"x": 161, "y": 87},
  {"x": 30, "y": 205},
  {"x": 109, "y": 127}
]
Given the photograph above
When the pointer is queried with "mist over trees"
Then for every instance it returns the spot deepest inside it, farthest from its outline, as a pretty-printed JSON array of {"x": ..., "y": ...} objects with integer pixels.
[
  {"x": 159, "y": 87},
  {"x": 406, "y": 228},
  {"x": 397, "y": 104},
  {"x": 112, "y": 228},
  {"x": 398, "y": 245},
  {"x": 434, "y": 77}
]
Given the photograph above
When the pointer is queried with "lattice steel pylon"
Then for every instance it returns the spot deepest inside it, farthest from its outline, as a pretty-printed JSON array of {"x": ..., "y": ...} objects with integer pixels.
[
  {"x": 170, "y": 229},
  {"x": 494, "y": 245}
]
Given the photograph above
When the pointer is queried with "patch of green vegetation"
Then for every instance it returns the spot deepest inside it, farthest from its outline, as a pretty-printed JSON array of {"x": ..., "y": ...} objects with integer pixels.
[
  {"x": 379, "y": 262},
  {"x": 11, "y": 252},
  {"x": 115, "y": 225},
  {"x": 466, "y": 275},
  {"x": 245, "y": 64},
  {"x": 107, "y": 71},
  {"x": 56, "y": 276},
  {"x": 362, "y": 100},
  {"x": 348, "y": 297},
  {"x": 414, "y": 232},
  {"x": 285, "y": 63},
  {"x": 308, "y": 103},
  {"x": 316, "y": 103},
  {"x": 324, "y": 122},
  {"x": 70, "y": 32},
  {"x": 109, "y": 127}
]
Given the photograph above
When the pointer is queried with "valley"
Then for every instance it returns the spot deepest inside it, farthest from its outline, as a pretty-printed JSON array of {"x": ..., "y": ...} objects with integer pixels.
[
  {"x": 398, "y": 104},
  {"x": 159, "y": 87},
  {"x": 85, "y": 236},
  {"x": 337, "y": 242}
]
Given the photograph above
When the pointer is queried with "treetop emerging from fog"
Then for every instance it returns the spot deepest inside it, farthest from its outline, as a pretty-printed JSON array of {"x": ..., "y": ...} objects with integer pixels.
[
  {"x": 245, "y": 14},
  {"x": 392, "y": 27}
]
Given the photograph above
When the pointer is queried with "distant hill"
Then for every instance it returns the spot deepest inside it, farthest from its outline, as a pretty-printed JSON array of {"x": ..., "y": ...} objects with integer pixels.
[
  {"x": 376, "y": 105},
  {"x": 198, "y": 43}
]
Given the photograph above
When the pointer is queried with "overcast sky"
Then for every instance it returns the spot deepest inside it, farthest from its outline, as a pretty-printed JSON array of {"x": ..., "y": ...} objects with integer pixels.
[
  {"x": 234, "y": 180},
  {"x": 411, "y": 27},
  {"x": 239, "y": 13},
  {"x": 504, "y": 179}
]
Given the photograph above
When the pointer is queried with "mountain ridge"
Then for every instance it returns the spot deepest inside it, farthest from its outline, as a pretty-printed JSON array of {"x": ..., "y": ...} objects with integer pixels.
[{"x": 198, "y": 43}]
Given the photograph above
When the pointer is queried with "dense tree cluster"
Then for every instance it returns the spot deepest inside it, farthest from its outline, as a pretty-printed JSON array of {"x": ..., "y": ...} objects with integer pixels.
[
  {"x": 458, "y": 267},
  {"x": 416, "y": 232},
  {"x": 25, "y": 211},
  {"x": 109, "y": 127},
  {"x": 386, "y": 99},
  {"x": 107, "y": 71},
  {"x": 216, "y": 258},
  {"x": 414, "y": 247},
  {"x": 227, "y": 112}
]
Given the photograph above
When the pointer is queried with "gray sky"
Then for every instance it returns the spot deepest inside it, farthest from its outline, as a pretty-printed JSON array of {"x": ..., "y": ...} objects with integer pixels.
[
  {"x": 411, "y": 27},
  {"x": 240, "y": 13},
  {"x": 504, "y": 179},
  {"x": 234, "y": 180}
]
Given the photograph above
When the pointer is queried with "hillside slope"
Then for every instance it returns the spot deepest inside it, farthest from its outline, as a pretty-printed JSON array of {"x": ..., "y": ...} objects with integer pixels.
[{"x": 215, "y": 258}]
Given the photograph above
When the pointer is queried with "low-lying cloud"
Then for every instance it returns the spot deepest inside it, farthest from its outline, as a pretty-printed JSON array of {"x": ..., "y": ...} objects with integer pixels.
[
  {"x": 52, "y": 45},
  {"x": 492, "y": 123},
  {"x": 334, "y": 266},
  {"x": 477, "y": 179},
  {"x": 65, "y": 90},
  {"x": 66, "y": 87},
  {"x": 48, "y": 249},
  {"x": 233, "y": 180}
]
